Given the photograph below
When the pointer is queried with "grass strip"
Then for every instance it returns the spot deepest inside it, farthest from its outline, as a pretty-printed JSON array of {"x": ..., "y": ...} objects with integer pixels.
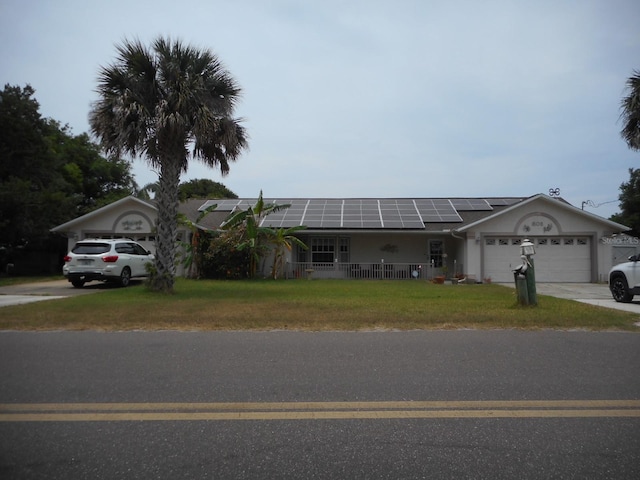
[{"x": 318, "y": 305}]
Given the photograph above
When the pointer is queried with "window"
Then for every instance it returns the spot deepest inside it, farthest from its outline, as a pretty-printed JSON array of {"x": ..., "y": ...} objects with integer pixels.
[
  {"x": 343, "y": 256},
  {"x": 138, "y": 249},
  {"x": 91, "y": 248},
  {"x": 568, "y": 241},
  {"x": 582, "y": 241},
  {"x": 543, "y": 241},
  {"x": 555, "y": 241},
  {"x": 491, "y": 241},
  {"x": 436, "y": 250},
  {"x": 125, "y": 248},
  {"x": 516, "y": 241},
  {"x": 503, "y": 241},
  {"x": 301, "y": 252},
  {"x": 323, "y": 249}
]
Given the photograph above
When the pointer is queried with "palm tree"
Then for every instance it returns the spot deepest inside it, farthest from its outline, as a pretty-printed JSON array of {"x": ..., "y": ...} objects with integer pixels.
[
  {"x": 630, "y": 115},
  {"x": 145, "y": 192},
  {"x": 167, "y": 103}
]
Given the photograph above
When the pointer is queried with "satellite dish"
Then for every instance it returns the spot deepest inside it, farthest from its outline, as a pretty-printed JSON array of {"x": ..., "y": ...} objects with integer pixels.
[{"x": 415, "y": 274}]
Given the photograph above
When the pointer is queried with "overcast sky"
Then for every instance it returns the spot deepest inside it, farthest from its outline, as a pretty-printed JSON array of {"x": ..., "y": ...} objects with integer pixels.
[{"x": 396, "y": 98}]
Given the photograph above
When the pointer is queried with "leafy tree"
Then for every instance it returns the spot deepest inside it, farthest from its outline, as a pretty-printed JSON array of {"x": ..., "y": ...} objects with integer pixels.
[
  {"x": 26, "y": 173},
  {"x": 47, "y": 175},
  {"x": 204, "y": 188},
  {"x": 630, "y": 114},
  {"x": 95, "y": 180},
  {"x": 168, "y": 102},
  {"x": 630, "y": 203}
]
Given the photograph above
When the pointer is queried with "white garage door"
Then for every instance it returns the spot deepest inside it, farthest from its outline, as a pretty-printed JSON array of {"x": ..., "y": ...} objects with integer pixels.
[{"x": 557, "y": 259}]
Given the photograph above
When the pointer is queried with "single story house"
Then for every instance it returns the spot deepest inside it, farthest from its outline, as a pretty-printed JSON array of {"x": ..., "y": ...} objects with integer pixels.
[{"x": 404, "y": 238}]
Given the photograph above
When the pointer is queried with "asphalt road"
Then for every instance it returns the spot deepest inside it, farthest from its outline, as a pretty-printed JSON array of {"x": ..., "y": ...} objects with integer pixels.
[{"x": 443, "y": 404}]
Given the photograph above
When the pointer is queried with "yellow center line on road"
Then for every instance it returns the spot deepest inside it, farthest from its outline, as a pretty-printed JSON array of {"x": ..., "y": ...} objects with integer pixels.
[{"x": 94, "y": 412}]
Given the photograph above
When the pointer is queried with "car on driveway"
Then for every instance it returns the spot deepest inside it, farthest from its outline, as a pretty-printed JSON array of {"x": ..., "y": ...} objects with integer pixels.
[
  {"x": 624, "y": 280},
  {"x": 108, "y": 260}
]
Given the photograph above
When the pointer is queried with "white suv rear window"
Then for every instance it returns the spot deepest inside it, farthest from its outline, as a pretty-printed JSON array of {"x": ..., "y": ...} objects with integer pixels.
[{"x": 91, "y": 248}]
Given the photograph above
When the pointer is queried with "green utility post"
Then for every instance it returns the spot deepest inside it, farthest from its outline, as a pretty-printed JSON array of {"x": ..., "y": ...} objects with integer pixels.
[
  {"x": 521, "y": 290},
  {"x": 532, "y": 294},
  {"x": 527, "y": 250}
]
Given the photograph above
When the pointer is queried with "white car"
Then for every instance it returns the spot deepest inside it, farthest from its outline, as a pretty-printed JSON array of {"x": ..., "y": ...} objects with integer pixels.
[
  {"x": 117, "y": 260},
  {"x": 624, "y": 280}
]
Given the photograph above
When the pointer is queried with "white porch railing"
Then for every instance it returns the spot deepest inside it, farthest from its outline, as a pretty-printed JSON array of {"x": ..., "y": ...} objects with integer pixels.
[{"x": 398, "y": 271}]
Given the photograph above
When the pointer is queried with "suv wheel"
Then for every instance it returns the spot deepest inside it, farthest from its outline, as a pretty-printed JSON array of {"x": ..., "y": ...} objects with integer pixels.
[
  {"x": 620, "y": 289},
  {"x": 125, "y": 277},
  {"x": 77, "y": 283}
]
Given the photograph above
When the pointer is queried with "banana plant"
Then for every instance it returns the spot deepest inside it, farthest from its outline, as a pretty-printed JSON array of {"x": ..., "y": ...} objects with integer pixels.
[
  {"x": 254, "y": 234},
  {"x": 191, "y": 258},
  {"x": 281, "y": 239}
]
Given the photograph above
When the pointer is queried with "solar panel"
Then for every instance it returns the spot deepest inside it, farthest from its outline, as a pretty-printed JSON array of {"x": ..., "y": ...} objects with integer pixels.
[
  {"x": 470, "y": 204},
  {"x": 360, "y": 213},
  {"x": 322, "y": 213},
  {"x": 437, "y": 210},
  {"x": 503, "y": 201},
  {"x": 400, "y": 213},
  {"x": 286, "y": 217},
  {"x": 224, "y": 205}
]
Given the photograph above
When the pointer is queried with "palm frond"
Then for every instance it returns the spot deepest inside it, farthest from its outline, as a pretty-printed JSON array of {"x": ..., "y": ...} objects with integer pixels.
[{"x": 630, "y": 112}]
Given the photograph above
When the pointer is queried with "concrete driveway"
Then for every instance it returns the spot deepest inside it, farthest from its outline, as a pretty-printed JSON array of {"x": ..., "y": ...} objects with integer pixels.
[
  {"x": 592, "y": 293},
  {"x": 51, "y": 290}
]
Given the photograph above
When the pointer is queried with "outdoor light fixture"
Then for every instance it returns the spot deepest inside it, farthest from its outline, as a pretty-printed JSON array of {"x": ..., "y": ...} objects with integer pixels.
[{"x": 527, "y": 248}]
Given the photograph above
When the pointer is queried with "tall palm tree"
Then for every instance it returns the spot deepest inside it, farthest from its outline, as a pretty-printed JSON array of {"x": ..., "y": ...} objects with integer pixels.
[
  {"x": 168, "y": 102},
  {"x": 630, "y": 114}
]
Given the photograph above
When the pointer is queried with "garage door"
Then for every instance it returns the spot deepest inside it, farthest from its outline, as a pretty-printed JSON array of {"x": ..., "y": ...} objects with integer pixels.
[{"x": 557, "y": 259}]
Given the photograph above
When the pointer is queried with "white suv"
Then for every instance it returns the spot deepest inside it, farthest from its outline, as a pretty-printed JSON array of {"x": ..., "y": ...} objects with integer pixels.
[
  {"x": 624, "y": 280},
  {"x": 117, "y": 260}
]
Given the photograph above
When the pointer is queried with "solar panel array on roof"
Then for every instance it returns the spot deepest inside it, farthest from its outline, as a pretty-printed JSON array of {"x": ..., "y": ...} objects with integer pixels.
[{"x": 367, "y": 213}]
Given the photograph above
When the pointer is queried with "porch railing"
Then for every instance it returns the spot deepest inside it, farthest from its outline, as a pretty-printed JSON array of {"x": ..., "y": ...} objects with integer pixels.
[{"x": 398, "y": 271}]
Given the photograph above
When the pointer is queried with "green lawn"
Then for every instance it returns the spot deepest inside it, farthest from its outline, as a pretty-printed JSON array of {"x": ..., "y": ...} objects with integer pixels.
[{"x": 310, "y": 305}]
